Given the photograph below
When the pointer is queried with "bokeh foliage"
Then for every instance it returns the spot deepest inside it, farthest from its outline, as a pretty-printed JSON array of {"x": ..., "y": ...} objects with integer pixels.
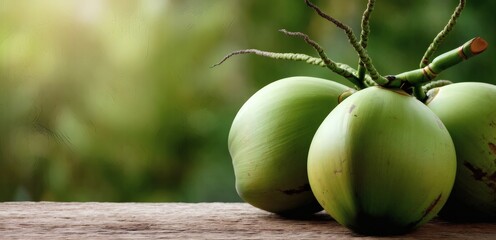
[{"x": 109, "y": 100}]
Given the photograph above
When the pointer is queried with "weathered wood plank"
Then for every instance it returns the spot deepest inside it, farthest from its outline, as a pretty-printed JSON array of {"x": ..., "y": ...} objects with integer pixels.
[{"x": 49, "y": 220}]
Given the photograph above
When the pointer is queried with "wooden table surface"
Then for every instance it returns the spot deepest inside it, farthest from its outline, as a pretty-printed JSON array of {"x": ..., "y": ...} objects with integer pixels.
[{"x": 54, "y": 220}]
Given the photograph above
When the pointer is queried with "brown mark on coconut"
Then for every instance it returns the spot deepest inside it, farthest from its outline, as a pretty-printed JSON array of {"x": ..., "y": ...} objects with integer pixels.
[
  {"x": 427, "y": 210},
  {"x": 477, "y": 173},
  {"x": 300, "y": 189},
  {"x": 491, "y": 181},
  {"x": 492, "y": 146},
  {"x": 480, "y": 175},
  {"x": 433, "y": 204}
]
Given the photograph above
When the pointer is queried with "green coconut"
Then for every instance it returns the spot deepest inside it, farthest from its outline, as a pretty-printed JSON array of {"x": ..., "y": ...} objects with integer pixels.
[
  {"x": 381, "y": 163},
  {"x": 269, "y": 141},
  {"x": 468, "y": 110}
]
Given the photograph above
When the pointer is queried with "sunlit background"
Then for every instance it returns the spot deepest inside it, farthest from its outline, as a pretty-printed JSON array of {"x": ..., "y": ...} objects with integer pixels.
[{"x": 116, "y": 101}]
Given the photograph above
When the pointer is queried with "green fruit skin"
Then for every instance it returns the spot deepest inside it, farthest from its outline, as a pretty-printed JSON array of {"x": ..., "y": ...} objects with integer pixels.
[
  {"x": 381, "y": 163},
  {"x": 468, "y": 110},
  {"x": 269, "y": 140}
]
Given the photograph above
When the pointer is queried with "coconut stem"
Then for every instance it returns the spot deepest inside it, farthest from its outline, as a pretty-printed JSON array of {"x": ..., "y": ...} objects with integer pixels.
[
  {"x": 341, "y": 68},
  {"x": 419, "y": 76},
  {"x": 420, "y": 92},
  {"x": 435, "y": 84},
  {"x": 346, "y": 72},
  {"x": 442, "y": 35},
  {"x": 362, "y": 53},
  {"x": 364, "y": 36},
  {"x": 274, "y": 55}
]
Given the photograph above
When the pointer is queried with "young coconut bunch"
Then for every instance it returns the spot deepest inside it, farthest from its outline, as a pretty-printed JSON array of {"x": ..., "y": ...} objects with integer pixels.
[
  {"x": 370, "y": 164},
  {"x": 382, "y": 162}
]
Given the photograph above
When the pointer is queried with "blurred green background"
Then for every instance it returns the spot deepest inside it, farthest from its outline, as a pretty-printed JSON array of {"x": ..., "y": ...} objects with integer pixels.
[{"x": 115, "y": 101}]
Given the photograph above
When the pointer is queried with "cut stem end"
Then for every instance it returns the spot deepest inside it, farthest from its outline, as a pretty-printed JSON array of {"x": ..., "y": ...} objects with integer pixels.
[{"x": 478, "y": 45}]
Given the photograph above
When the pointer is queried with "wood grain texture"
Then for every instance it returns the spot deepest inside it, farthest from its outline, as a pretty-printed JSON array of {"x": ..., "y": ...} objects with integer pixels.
[{"x": 50, "y": 220}]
